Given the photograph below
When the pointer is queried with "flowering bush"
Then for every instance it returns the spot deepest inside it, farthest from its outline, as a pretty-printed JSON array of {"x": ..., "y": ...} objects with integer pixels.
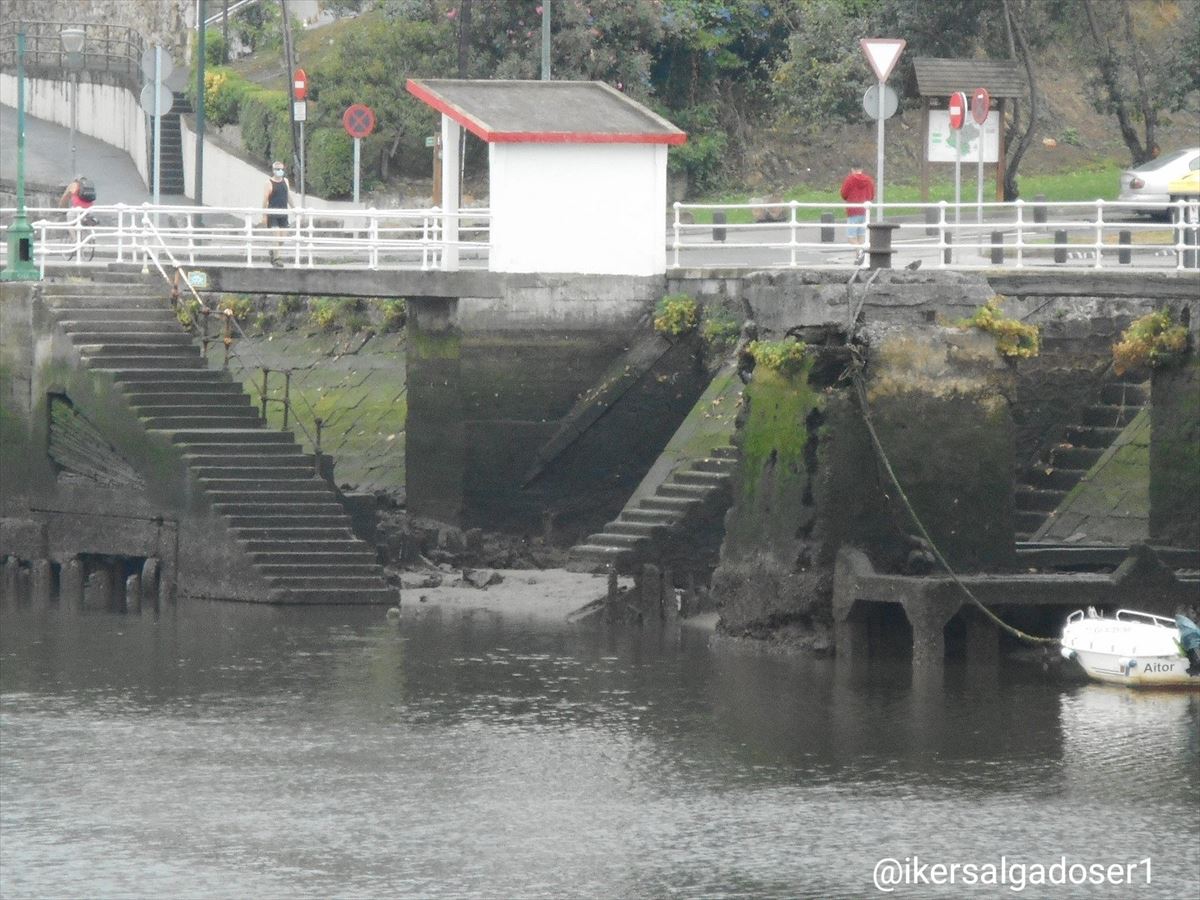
[
  {"x": 675, "y": 315},
  {"x": 1149, "y": 341},
  {"x": 785, "y": 357},
  {"x": 1014, "y": 338}
]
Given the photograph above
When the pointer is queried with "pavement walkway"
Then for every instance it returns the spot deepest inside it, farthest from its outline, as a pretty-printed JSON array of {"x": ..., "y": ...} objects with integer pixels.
[{"x": 48, "y": 161}]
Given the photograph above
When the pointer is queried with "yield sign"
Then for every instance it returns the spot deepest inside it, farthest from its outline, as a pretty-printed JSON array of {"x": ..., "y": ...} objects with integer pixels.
[{"x": 882, "y": 54}]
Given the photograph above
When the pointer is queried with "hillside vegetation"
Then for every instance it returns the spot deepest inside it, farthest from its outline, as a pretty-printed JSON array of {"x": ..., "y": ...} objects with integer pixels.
[{"x": 768, "y": 90}]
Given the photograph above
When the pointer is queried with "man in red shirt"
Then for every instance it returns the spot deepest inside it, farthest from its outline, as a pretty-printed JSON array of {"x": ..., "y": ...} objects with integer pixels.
[{"x": 857, "y": 187}]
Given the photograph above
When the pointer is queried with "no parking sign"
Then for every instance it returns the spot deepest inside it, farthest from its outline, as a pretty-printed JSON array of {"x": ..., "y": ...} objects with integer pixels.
[{"x": 359, "y": 121}]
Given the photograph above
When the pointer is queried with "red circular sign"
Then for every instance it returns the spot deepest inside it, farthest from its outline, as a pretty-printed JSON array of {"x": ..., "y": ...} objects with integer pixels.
[
  {"x": 299, "y": 85},
  {"x": 358, "y": 120},
  {"x": 981, "y": 102},
  {"x": 958, "y": 109}
]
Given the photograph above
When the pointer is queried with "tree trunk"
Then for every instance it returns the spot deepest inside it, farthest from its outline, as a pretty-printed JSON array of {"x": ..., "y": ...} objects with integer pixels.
[
  {"x": 1011, "y": 191},
  {"x": 1110, "y": 74}
]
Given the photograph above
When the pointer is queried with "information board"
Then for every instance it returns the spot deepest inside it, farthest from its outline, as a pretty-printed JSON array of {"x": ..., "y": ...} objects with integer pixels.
[{"x": 941, "y": 146}]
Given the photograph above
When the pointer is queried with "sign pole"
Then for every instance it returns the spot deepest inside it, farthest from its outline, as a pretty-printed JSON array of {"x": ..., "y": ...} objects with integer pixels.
[
  {"x": 157, "y": 126},
  {"x": 879, "y": 153},
  {"x": 301, "y": 163},
  {"x": 357, "y": 145},
  {"x": 981, "y": 102}
]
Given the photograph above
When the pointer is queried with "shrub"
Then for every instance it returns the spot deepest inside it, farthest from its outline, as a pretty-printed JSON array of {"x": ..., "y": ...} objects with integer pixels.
[
  {"x": 223, "y": 90},
  {"x": 259, "y": 112},
  {"x": 675, "y": 314},
  {"x": 785, "y": 357},
  {"x": 241, "y": 305},
  {"x": 1150, "y": 341},
  {"x": 395, "y": 314},
  {"x": 1014, "y": 338},
  {"x": 188, "y": 313},
  {"x": 329, "y": 162},
  {"x": 328, "y": 313},
  {"x": 718, "y": 327},
  {"x": 323, "y": 311}
]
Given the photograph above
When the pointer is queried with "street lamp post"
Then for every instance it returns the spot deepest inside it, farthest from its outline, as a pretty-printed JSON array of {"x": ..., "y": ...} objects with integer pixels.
[
  {"x": 20, "y": 236},
  {"x": 72, "y": 40}
]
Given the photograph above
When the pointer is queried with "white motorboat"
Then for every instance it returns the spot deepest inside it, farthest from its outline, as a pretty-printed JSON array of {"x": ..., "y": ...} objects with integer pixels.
[{"x": 1134, "y": 648}]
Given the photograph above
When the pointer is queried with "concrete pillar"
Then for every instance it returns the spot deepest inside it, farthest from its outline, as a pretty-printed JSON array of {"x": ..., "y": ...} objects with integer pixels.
[
  {"x": 450, "y": 185},
  {"x": 983, "y": 640},
  {"x": 41, "y": 585},
  {"x": 133, "y": 594},
  {"x": 850, "y": 640},
  {"x": 8, "y": 580},
  {"x": 99, "y": 589},
  {"x": 928, "y": 615},
  {"x": 651, "y": 599},
  {"x": 670, "y": 604},
  {"x": 150, "y": 585},
  {"x": 70, "y": 591},
  {"x": 22, "y": 591}
]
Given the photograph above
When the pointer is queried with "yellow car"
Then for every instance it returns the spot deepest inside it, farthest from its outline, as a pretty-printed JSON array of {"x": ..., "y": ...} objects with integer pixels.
[{"x": 1186, "y": 188}]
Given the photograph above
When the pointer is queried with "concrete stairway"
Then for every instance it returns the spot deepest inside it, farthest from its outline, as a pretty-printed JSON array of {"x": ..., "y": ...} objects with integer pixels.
[
  {"x": 1046, "y": 484},
  {"x": 171, "y": 164},
  {"x": 644, "y": 523},
  {"x": 289, "y": 523}
]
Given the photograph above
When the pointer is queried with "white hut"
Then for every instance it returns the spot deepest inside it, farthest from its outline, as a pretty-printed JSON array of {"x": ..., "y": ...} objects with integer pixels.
[{"x": 577, "y": 173}]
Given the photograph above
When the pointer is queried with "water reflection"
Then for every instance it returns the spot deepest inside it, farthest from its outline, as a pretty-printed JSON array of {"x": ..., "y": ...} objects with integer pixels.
[{"x": 235, "y": 751}]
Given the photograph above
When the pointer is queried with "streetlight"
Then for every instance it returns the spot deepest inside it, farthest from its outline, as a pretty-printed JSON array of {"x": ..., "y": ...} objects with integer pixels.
[
  {"x": 20, "y": 236},
  {"x": 72, "y": 40}
]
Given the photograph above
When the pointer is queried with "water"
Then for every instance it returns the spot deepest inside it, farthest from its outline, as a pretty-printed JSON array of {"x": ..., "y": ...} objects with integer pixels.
[{"x": 235, "y": 751}]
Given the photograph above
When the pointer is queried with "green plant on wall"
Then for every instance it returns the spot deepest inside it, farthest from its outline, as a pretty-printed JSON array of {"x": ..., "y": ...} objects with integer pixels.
[
  {"x": 188, "y": 313},
  {"x": 718, "y": 327},
  {"x": 328, "y": 313},
  {"x": 395, "y": 314},
  {"x": 240, "y": 304},
  {"x": 1014, "y": 339},
  {"x": 1153, "y": 340},
  {"x": 785, "y": 357},
  {"x": 675, "y": 314}
]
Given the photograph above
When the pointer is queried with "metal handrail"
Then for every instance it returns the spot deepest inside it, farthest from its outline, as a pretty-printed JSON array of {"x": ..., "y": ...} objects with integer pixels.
[{"x": 109, "y": 48}]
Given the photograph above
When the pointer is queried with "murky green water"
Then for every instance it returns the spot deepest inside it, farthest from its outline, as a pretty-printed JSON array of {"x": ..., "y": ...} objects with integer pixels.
[{"x": 235, "y": 751}]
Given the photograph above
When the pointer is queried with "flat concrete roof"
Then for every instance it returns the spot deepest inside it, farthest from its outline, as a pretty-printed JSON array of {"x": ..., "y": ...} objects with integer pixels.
[{"x": 545, "y": 112}]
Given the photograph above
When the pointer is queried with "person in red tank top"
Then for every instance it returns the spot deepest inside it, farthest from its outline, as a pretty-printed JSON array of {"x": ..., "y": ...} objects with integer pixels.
[{"x": 857, "y": 187}]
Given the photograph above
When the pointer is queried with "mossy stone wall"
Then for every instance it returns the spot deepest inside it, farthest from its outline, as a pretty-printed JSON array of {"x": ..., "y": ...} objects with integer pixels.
[{"x": 1175, "y": 454}]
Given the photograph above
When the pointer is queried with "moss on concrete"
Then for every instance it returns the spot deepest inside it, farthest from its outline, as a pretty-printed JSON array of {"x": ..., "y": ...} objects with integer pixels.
[{"x": 1175, "y": 454}]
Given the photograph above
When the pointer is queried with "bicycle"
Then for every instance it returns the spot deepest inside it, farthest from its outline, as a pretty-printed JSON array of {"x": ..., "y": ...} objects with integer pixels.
[{"x": 80, "y": 237}]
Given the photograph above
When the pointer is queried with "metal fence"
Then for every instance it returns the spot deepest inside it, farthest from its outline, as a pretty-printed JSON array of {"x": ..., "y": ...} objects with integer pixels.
[
  {"x": 1101, "y": 234},
  {"x": 106, "y": 48},
  {"x": 371, "y": 239}
]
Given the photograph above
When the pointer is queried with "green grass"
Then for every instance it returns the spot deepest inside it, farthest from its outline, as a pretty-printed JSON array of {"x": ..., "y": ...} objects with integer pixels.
[{"x": 1099, "y": 181}]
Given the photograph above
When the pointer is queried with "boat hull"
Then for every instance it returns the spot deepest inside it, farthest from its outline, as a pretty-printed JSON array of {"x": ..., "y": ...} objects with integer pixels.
[
  {"x": 1149, "y": 672},
  {"x": 1133, "y": 648}
]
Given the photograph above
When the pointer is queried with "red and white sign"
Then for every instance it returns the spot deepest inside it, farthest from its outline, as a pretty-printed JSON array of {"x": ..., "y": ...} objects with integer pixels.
[
  {"x": 299, "y": 85},
  {"x": 358, "y": 120},
  {"x": 882, "y": 54},
  {"x": 981, "y": 103},
  {"x": 958, "y": 109}
]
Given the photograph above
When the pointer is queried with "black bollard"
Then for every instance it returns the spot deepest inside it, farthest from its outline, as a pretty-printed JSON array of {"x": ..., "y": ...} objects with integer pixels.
[
  {"x": 826, "y": 228},
  {"x": 1039, "y": 209},
  {"x": 1125, "y": 253},
  {"x": 1191, "y": 238},
  {"x": 997, "y": 248},
  {"x": 880, "y": 251},
  {"x": 1060, "y": 246},
  {"x": 718, "y": 220},
  {"x": 948, "y": 252}
]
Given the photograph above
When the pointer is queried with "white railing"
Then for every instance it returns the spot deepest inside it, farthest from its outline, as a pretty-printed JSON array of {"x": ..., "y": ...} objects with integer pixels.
[
  {"x": 209, "y": 236},
  {"x": 1022, "y": 234},
  {"x": 1100, "y": 234}
]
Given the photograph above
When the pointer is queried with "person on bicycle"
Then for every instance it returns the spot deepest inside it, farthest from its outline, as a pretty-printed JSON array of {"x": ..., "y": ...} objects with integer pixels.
[{"x": 80, "y": 194}]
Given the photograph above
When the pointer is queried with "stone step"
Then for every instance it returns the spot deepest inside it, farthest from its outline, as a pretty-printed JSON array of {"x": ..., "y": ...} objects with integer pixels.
[
  {"x": 1110, "y": 416},
  {"x": 139, "y": 378},
  {"x": 161, "y": 345},
  {"x": 649, "y": 516},
  {"x": 192, "y": 436},
  {"x": 152, "y": 392},
  {"x": 726, "y": 452},
  {"x": 250, "y": 486},
  {"x": 1027, "y": 521},
  {"x": 339, "y": 582},
  {"x": 297, "y": 533},
  {"x": 609, "y": 539},
  {"x": 253, "y": 473},
  {"x": 1092, "y": 436},
  {"x": 258, "y": 498},
  {"x": 221, "y": 420},
  {"x": 192, "y": 402},
  {"x": 1075, "y": 457},
  {"x": 1028, "y": 498},
  {"x": 674, "y": 489},
  {"x": 276, "y": 524},
  {"x": 1048, "y": 477},
  {"x": 282, "y": 457},
  {"x": 129, "y": 340},
  {"x": 383, "y": 596},
  {"x": 1125, "y": 394},
  {"x": 259, "y": 548},
  {"x": 65, "y": 306},
  {"x": 106, "y": 320},
  {"x": 599, "y": 552},
  {"x": 316, "y": 570},
  {"x": 317, "y": 558},
  {"x": 702, "y": 477},
  {"x": 641, "y": 529},
  {"x": 721, "y": 464},
  {"x": 246, "y": 508},
  {"x": 106, "y": 362},
  {"x": 673, "y": 504},
  {"x": 165, "y": 323}
]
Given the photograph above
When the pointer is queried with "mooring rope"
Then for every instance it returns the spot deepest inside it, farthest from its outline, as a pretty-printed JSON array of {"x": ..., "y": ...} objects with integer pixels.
[
  {"x": 856, "y": 375},
  {"x": 864, "y": 406}
]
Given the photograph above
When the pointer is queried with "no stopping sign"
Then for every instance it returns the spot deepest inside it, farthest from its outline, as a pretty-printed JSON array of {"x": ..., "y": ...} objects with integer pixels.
[{"x": 358, "y": 120}]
